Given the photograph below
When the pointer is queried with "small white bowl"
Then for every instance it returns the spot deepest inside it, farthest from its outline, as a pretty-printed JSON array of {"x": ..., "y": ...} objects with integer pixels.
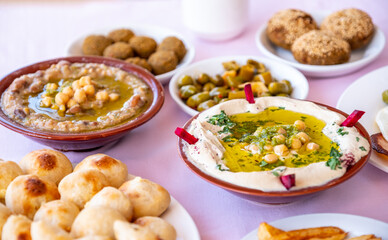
[
  {"x": 358, "y": 58},
  {"x": 155, "y": 32},
  {"x": 214, "y": 66}
]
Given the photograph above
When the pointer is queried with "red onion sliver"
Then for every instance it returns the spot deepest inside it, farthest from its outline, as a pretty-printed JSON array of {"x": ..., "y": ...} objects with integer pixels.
[
  {"x": 248, "y": 93},
  {"x": 352, "y": 119},
  {"x": 288, "y": 181},
  {"x": 182, "y": 133}
]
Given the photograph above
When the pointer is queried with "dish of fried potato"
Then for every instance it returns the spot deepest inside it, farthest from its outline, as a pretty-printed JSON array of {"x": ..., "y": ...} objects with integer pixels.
[{"x": 328, "y": 226}]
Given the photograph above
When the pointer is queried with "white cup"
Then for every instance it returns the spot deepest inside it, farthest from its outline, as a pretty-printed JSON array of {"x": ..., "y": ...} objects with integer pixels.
[{"x": 215, "y": 19}]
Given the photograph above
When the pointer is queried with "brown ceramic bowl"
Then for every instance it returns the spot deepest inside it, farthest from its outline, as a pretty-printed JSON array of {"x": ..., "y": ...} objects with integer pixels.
[
  {"x": 84, "y": 140},
  {"x": 277, "y": 197}
]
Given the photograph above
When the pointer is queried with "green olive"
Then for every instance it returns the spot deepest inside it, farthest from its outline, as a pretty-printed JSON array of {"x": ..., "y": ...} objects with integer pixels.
[
  {"x": 277, "y": 87},
  {"x": 203, "y": 78},
  {"x": 198, "y": 86},
  {"x": 185, "y": 80},
  {"x": 246, "y": 73},
  {"x": 231, "y": 65},
  {"x": 208, "y": 87},
  {"x": 288, "y": 84},
  {"x": 233, "y": 82},
  {"x": 385, "y": 96},
  {"x": 253, "y": 63},
  {"x": 283, "y": 95},
  {"x": 265, "y": 94},
  {"x": 196, "y": 99},
  {"x": 220, "y": 92},
  {"x": 187, "y": 91},
  {"x": 206, "y": 105},
  {"x": 218, "y": 81}
]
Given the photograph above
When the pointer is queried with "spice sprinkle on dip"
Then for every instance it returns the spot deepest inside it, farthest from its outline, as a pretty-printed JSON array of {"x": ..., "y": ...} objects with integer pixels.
[
  {"x": 75, "y": 97},
  {"x": 254, "y": 145}
]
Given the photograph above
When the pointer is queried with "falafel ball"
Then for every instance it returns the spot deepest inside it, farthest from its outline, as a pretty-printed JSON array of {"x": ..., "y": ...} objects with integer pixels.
[
  {"x": 287, "y": 25},
  {"x": 173, "y": 44},
  {"x": 119, "y": 50},
  {"x": 121, "y": 35},
  {"x": 353, "y": 25},
  {"x": 140, "y": 62},
  {"x": 143, "y": 46},
  {"x": 163, "y": 61},
  {"x": 95, "y": 44}
]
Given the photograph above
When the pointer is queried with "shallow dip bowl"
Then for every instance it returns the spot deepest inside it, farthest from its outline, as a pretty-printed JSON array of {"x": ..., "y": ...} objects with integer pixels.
[
  {"x": 277, "y": 197},
  {"x": 91, "y": 139}
]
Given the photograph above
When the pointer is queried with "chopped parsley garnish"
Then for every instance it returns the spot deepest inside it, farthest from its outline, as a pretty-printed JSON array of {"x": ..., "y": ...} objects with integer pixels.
[
  {"x": 282, "y": 108},
  {"x": 219, "y": 168},
  {"x": 277, "y": 171},
  {"x": 228, "y": 139},
  {"x": 263, "y": 163},
  {"x": 362, "y": 148},
  {"x": 357, "y": 139},
  {"x": 222, "y": 120},
  {"x": 341, "y": 132},
  {"x": 334, "y": 160}
]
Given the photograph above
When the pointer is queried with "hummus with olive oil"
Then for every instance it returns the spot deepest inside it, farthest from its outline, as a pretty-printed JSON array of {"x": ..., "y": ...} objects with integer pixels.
[{"x": 226, "y": 135}]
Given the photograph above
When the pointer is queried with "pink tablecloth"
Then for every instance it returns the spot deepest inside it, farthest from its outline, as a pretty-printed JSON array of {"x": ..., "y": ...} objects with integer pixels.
[{"x": 32, "y": 32}]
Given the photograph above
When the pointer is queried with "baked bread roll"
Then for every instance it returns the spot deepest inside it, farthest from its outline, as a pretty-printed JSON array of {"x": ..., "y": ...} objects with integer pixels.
[
  {"x": 353, "y": 25},
  {"x": 8, "y": 171},
  {"x": 160, "y": 227},
  {"x": 4, "y": 214},
  {"x": 125, "y": 230},
  {"x": 113, "y": 198},
  {"x": 95, "y": 221},
  {"x": 148, "y": 198},
  {"x": 58, "y": 213},
  {"x": 47, "y": 164},
  {"x": 285, "y": 26},
  {"x": 80, "y": 186},
  {"x": 45, "y": 231},
  {"x": 26, "y": 193},
  {"x": 95, "y": 237},
  {"x": 320, "y": 48},
  {"x": 17, "y": 227},
  {"x": 115, "y": 170}
]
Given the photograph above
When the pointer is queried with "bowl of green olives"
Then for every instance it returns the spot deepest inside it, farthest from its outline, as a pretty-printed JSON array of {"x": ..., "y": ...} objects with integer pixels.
[{"x": 204, "y": 84}]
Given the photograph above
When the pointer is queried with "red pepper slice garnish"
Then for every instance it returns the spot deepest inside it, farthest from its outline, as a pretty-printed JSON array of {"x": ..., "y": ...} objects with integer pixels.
[
  {"x": 288, "y": 181},
  {"x": 182, "y": 133},
  {"x": 249, "y": 93},
  {"x": 352, "y": 119}
]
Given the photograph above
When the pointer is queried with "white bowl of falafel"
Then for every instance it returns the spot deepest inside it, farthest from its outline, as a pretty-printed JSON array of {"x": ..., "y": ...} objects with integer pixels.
[{"x": 160, "y": 51}]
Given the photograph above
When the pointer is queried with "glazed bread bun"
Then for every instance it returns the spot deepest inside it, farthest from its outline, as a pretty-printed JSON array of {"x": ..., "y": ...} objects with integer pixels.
[
  {"x": 26, "y": 193},
  {"x": 125, "y": 230},
  {"x": 94, "y": 237},
  {"x": 4, "y": 214},
  {"x": 17, "y": 227},
  {"x": 352, "y": 25},
  {"x": 160, "y": 227},
  {"x": 113, "y": 198},
  {"x": 95, "y": 221},
  {"x": 285, "y": 26},
  {"x": 58, "y": 213},
  {"x": 115, "y": 170},
  {"x": 320, "y": 48},
  {"x": 8, "y": 171},
  {"x": 148, "y": 198},
  {"x": 47, "y": 164},
  {"x": 80, "y": 186},
  {"x": 45, "y": 231}
]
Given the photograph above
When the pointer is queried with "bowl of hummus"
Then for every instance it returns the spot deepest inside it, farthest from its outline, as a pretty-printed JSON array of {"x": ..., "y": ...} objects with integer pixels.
[
  {"x": 78, "y": 103},
  {"x": 276, "y": 150}
]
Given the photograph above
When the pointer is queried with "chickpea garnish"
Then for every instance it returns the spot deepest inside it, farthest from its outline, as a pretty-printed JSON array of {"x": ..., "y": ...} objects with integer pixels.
[
  {"x": 296, "y": 143},
  {"x": 271, "y": 158},
  {"x": 299, "y": 125},
  {"x": 282, "y": 131},
  {"x": 89, "y": 89},
  {"x": 102, "y": 95},
  {"x": 281, "y": 150},
  {"x": 114, "y": 96},
  {"x": 80, "y": 96},
  {"x": 86, "y": 80},
  {"x": 268, "y": 148},
  {"x": 51, "y": 86},
  {"x": 302, "y": 136},
  {"x": 61, "y": 98},
  {"x": 46, "y": 102},
  {"x": 71, "y": 103},
  {"x": 312, "y": 146},
  {"x": 279, "y": 139},
  {"x": 76, "y": 85},
  {"x": 68, "y": 91}
]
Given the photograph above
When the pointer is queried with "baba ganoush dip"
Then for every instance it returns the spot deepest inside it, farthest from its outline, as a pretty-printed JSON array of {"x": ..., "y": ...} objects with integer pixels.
[
  {"x": 75, "y": 97},
  {"x": 252, "y": 145}
]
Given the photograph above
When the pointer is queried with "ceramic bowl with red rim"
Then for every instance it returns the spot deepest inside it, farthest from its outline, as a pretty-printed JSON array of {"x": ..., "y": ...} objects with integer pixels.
[
  {"x": 84, "y": 140},
  {"x": 339, "y": 164}
]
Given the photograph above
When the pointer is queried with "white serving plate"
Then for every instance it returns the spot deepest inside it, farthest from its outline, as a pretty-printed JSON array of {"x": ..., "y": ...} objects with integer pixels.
[
  {"x": 365, "y": 94},
  {"x": 155, "y": 32},
  {"x": 184, "y": 225},
  {"x": 214, "y": 66},
  {"x": 352, "y": 224},
  {"x": 358, "y": 59}
]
